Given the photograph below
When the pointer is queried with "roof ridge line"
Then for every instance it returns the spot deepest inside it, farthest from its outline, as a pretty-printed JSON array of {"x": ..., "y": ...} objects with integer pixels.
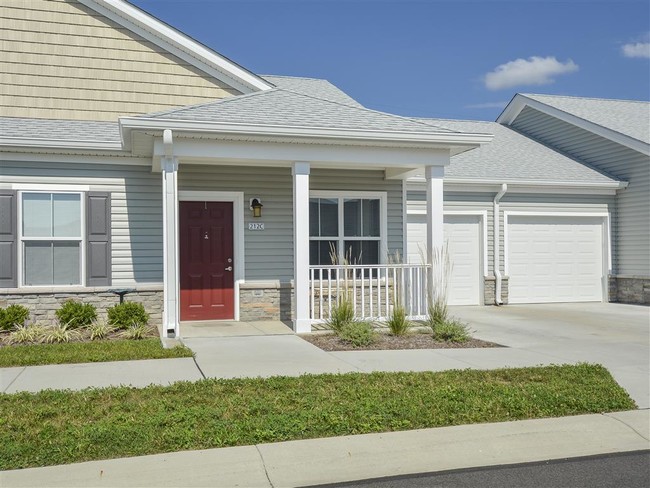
[{"x": 575, "y": 97}]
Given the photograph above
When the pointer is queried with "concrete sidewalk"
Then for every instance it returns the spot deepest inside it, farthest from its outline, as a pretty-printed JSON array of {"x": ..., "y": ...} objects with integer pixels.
[{"x": 338, "y": 459}]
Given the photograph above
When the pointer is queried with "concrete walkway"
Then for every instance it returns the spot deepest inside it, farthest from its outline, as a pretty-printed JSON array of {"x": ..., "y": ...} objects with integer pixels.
[{"x": 339, "y": 459}]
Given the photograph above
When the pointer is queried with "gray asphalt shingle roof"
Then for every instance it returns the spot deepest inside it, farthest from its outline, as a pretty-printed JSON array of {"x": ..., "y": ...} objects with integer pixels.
[
  {"x": 312, "y": 86},
  {"x": 64, "y": 130},
  {"x": 628, "y": 117},
  {"x": 513, "y": 156},
  {"x": 281, "y": 107}
]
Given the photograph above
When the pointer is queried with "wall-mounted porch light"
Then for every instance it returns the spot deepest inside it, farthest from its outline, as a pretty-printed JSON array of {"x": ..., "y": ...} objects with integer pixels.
[{"x": 256, "y": 207}]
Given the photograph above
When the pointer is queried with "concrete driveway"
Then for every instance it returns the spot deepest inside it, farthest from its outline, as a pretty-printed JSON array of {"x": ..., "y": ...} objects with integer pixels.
[{"x": 614, "y": 335}]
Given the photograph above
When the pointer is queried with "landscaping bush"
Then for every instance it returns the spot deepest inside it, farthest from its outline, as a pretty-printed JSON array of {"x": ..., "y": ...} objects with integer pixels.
[
  {"x": 342, "y": 314},
  {"x": 75, "y": 315},
  {"x": 127, "y": 314},
  {"x": 397, "y": 323},
  {"x": 13, "y": 316},
  {"x": 358, "y": 333},
  {"x": 451, "y": 331}
]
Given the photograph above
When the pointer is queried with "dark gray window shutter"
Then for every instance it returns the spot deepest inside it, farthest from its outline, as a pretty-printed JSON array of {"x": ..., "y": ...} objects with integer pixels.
[
  {"x": 8, "y": 244},
  {"x": 98, "y": 239}
]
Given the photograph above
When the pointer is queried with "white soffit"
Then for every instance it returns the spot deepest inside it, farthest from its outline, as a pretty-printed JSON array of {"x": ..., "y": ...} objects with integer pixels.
[{"x": 178, "y": 44}]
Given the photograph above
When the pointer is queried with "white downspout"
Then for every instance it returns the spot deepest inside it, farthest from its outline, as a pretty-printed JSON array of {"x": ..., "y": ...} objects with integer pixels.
[{"x": 496, "y": 246}]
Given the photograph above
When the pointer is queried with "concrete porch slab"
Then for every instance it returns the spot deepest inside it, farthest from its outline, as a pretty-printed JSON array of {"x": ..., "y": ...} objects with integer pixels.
[{"x": 231, "y": 328}]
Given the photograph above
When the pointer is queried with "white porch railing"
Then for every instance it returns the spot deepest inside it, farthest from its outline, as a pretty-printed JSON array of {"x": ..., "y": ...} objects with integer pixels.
[{"x": 372, "y": 289}]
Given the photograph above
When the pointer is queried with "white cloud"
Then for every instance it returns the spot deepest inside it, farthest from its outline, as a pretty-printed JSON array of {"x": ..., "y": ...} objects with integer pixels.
[
  {"x": 532, "y": 71},
  {"x": 488, "y": 105},
  {"x": 636, "y": 50}
]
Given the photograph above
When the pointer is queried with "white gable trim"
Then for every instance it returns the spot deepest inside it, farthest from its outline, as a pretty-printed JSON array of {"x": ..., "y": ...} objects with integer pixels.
[
  {"x": 178, "y": 44},
  {"x": 519, "y": 102}
]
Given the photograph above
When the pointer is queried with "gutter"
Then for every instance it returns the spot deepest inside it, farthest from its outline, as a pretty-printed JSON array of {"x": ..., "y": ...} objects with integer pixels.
[{"x": 497, "y": 261}]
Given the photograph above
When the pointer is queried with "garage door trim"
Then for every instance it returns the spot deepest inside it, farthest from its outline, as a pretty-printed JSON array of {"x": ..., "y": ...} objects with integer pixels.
[{"x": 606, "y": 244}]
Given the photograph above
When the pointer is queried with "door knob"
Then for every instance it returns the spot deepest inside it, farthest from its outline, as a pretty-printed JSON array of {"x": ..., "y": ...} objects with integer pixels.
[{"x": 229, "y": 268}]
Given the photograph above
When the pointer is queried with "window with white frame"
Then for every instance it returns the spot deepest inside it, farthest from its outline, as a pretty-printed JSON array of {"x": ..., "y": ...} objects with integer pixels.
[
  {"x": 51, "y": 238},
  {"x": 347, "y": 227}
]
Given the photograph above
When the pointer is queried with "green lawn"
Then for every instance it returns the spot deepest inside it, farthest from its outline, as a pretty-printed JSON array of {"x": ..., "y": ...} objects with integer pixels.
[
  {"x": 58, "y": 427},
  {"x": 87, "y": 352}
]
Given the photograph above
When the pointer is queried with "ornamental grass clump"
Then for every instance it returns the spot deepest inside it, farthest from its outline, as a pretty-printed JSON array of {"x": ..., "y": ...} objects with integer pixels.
[
  {"x": 59, "y": 333},
  {"x": 99, "y": 330},
  {"x": 13, "y": 316},
  {"x": 76, "y": 315},
  {"x": 451, "y": 330},
  {"x": 26, "y": 334},
  {"x": 136, "y": 331},
  {"x": 398, "y": 323},
  {"x": 342, "y": 314}
]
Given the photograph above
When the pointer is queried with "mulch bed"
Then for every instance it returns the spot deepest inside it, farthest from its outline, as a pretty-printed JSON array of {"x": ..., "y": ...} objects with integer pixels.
[{"x": 413, "y": 340}]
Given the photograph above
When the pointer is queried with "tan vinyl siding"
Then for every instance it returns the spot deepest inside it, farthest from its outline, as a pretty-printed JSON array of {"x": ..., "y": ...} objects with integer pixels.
[
  {"x": 269, "y": 253},
  {"x": 61, "y": 60},
  {"x": 632, "y": 229},
  {"x": 136, "y": 209}
]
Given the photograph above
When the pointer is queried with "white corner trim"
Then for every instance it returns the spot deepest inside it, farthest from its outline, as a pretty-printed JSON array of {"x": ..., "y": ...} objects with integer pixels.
[
  {"x": 519, "y": 102},
  {"x": 178, "y": 44},
  {"x": 606, "y": 244},
  {"x": 237, "y": 199}
]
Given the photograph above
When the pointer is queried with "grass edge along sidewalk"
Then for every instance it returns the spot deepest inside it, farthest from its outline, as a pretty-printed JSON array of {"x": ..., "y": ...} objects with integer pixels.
[
  {"x": 88, "y": 352},
  {"x": 61, "y": 427}
]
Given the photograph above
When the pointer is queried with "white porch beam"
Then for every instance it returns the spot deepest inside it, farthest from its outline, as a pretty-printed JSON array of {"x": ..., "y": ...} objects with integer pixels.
[
  {"x": 300, "y": 172},
  {"x": 171, "y": 312},
  {"x": 435, "y": 232}
]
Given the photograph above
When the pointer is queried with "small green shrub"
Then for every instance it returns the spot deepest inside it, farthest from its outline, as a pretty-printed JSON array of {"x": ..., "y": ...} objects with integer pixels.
[
  {"x": 99, "y": 330},
  {"x": 136, "y": 331},
  {"x": 13, "y": 316},
  {"x": 397, "y": 323},
  {"x": 75, "y": 315},
  {"x": 127, "y": 314},
  {"x": 358, "y": 333},
  {"x": 451, "y": 331},
  {"x": 59, "y": 333},
  {"x": 26, "y": 334}
]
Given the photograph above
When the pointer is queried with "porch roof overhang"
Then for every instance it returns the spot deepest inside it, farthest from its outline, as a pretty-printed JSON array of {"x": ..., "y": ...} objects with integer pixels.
[{"x": 201, "y": 142}]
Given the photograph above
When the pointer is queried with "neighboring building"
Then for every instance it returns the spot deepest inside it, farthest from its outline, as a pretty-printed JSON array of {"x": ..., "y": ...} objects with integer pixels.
[
  {"x": 613, "y": 137},
  {"x": 133, "y": 157}
]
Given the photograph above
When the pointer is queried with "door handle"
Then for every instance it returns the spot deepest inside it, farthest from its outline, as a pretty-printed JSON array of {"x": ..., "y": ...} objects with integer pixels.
[{"x": 229, "y": 268}]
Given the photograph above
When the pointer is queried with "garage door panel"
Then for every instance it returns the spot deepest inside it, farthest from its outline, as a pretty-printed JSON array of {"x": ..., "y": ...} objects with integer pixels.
[
  {"x": 555, "y": 259},
  {"x": 462, "y": 236}
]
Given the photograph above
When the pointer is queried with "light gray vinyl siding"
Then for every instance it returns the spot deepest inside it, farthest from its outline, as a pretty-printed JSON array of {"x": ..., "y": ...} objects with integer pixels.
[
  {"x": 632, "y": 229},
  {"x": 479, "y": 202},
  {"x": 269, "y": 253},
  {"x": 136, "y": 210}
]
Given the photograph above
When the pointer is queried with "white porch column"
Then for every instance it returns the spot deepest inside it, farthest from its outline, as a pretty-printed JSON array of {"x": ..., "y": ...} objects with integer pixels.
[
  {"x": 435, "y": 231},
  {"x": 171, "y": 315},
  {"x": 300, "y": 172}
]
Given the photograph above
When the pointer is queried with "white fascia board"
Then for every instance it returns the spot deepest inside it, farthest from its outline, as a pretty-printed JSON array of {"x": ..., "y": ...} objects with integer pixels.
[
  {"x": 518, "y": 103},
  {"x": 441, "y": 139},
  {"x": 178, "y": 44},
  {"x": 67, "y": 157},
  {"x": 58, "y": 144},
  {"x": 525, "y": 186},
  {"x": 210, "y": 151}
]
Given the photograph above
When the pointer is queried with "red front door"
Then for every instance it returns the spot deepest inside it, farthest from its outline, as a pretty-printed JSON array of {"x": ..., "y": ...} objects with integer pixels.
[{"x": 206, "y": 261}]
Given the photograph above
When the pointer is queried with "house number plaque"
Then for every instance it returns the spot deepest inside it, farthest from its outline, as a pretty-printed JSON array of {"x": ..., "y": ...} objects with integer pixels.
[{"x": 256, "y": 226}]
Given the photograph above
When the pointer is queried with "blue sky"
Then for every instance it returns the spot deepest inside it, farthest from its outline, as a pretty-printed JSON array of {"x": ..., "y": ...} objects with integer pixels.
[{"x": 432, "y": 58}]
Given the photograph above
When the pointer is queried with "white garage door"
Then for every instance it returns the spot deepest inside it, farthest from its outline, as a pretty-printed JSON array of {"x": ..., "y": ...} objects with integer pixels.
[
  {"x": 462, "y": 234},
  {"x": 555, "y": 259}
]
